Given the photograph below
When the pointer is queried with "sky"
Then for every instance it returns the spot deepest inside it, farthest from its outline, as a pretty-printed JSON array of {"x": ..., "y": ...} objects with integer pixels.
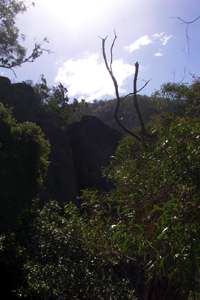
[{"x": 148, "y": 31}]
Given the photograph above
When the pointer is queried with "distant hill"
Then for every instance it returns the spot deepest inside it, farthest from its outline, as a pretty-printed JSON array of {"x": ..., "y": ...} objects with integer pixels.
[{"x": 150, "y": 107}]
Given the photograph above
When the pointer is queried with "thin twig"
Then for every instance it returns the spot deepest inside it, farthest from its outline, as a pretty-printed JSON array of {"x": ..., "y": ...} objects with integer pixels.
[
  {"x": 111, "y": 50},
  {"x": 138, "y": 91},
  {"x": 146, "y": 83}
]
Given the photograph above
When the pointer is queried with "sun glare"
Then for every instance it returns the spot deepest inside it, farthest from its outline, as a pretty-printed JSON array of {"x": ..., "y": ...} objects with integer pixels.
[{"x": 77, "y": 13}]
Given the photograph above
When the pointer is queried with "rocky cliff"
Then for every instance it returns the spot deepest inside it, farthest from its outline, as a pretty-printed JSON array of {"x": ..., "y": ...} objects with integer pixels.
[{"x": 78, "y": 151}]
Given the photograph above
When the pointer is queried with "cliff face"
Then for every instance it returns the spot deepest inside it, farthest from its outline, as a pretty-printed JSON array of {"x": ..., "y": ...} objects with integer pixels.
[
  {"x": 92, "y": 144},
  {"x": 78, "y": 151},
  {"x": 78, "y": 154}
]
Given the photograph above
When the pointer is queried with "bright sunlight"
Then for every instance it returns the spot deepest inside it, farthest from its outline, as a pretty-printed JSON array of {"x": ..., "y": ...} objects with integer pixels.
[{"x": 81, "y": 13}]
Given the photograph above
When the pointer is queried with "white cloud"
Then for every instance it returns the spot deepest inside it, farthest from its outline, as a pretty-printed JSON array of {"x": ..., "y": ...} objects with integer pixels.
[
  {"x": 141, "y": 42},
  {"x": 162, "y": 37},
  {"x": 158, "y": 54},
  {"x": 146, "y": 40},
  {"x": 88, "y": 78}
]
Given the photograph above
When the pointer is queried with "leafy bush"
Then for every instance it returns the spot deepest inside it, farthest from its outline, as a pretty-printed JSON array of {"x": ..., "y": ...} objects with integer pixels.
[
  {"x": 152, "y": 214},
  {"x": 24, "y": 161},
  {"x": 62, "y": 262}
]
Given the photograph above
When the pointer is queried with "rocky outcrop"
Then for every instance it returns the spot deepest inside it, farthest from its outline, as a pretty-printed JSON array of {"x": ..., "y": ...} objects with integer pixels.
[
  {"x": 92, "y": 144},
  {"x": 5, "y": 87},
  {"x": 21, "y": 97},
  {"x": 61, "y": 181},
  {"x": 78, "y": 152}
]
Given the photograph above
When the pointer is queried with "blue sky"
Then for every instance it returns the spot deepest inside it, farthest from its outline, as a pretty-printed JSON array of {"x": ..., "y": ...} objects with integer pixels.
[{"x": 147, "y": 32}]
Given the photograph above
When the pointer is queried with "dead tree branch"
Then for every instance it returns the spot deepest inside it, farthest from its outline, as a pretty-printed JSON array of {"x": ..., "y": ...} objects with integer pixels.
[
  {"x": 188, "y": 22},
  {"x": 118, "y": 98},
  {"x": 135, "y": 99},
  {"x": 138, "y": 91},
  {"x": 187, "y": 28},
  {"x": 110, "y": 71},
  {"x": 111, "y": 50}
]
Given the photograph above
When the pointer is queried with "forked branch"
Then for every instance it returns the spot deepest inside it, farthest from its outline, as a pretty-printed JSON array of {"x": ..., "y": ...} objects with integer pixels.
[
  {"x": 187, "y": 27},
  {"x": 108, "y": 65},
  {"x": 110, "y": 71}
]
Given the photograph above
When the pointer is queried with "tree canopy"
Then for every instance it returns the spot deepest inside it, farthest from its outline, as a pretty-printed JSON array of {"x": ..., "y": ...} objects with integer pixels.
[{"x": 12, "y": 51}]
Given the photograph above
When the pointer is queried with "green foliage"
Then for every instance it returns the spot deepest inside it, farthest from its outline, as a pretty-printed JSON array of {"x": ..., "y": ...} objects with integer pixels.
[
  {"x": 56, "y": 105},
  {"x": 173, "y": 91},
  {"x": 55, "y": 96},
  {"x": 152, "y": 214},
  {"x": 24, "y": 161},
  {"x": 150, "y": 218},
  {"x": 12, "y": 52},
  {"x": 10, "y": 49},
  {"x": 187, "y": 96},
  {"x": 62, "y": 262}
]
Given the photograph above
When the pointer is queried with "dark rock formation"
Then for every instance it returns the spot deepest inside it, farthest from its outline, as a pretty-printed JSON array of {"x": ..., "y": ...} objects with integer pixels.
[
  {"x": 5, "y": 87},
  {"x": 24, "y": 101},
  {"x": 78, "y": 152},
  {"x": 61, "y": 183},
  {"x": 92, "y": 144}
]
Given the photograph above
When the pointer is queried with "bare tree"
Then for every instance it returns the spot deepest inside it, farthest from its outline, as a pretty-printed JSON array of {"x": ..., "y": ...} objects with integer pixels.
[{"x": 134, "y": 94}]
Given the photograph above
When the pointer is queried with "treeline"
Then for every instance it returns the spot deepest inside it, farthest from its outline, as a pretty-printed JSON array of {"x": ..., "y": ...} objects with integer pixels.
[{"x": 150, "y": 107}]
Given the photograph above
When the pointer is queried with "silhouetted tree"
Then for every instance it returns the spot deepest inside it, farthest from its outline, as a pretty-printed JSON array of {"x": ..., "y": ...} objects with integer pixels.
[{"x": 24, "y": 161}]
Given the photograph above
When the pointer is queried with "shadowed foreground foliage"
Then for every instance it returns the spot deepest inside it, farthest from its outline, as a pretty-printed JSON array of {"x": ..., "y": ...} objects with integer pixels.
[
  {"x": 138, "y": 238},
  {"x": 24, "y": 161},
  {"x": 150, "y": 217}
]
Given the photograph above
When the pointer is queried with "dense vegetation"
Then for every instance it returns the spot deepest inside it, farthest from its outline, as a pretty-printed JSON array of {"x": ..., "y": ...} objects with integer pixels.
[
  {"x": 133, "y": 235},
  {"x": 139, "y": 239},
  {"x": 142, "y": 237}
]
